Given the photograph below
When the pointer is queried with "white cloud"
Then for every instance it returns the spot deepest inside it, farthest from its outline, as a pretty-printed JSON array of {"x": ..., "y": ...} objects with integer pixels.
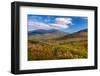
[
  {"x": 60, "y": 23},
  {"x": 37, "y": 25},
  {"x": 59, "y": 26},
  {"x": 63, "y": 21}
]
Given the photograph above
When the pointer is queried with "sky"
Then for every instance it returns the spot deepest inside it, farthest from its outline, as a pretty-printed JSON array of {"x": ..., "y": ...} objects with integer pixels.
[{"x": 63, "y": 23}]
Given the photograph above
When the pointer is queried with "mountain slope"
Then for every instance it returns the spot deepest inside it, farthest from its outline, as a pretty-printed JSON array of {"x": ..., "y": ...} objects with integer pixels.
[
  {"x": 80, "y": 35},
  {"x": 45, "y": 34},
  {"x": 70, "y": 46}
]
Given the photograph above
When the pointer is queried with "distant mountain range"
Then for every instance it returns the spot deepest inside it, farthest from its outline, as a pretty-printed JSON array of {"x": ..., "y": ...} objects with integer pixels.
[
  {"x": 82, "y": 34},
  {"x": 46, "y": 34},
  {"x": 41, "y": 31},
  {"x": 84, "y": 30},
  {"x": 53, "y": 33}
]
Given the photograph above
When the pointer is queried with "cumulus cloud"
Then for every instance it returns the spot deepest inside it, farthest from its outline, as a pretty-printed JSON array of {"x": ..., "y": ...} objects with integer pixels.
[
  {"x": 63, "y": 21},
  {"x": 60, "y": 23}
]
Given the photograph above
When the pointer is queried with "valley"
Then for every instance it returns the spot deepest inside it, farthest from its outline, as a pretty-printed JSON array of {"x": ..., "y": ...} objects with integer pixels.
[{"x": 54, "y": 44}]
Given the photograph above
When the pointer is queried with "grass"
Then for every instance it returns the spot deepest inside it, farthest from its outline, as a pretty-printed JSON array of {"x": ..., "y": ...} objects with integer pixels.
[{"x": 52, "y": 49}]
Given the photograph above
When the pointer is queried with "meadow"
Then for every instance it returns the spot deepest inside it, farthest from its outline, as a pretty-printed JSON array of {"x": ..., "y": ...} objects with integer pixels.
[{"x": 51, "y": 49}]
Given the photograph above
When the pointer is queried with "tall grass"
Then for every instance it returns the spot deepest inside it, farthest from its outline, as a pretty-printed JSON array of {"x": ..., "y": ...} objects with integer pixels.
[{"x": 50, "y": 50}]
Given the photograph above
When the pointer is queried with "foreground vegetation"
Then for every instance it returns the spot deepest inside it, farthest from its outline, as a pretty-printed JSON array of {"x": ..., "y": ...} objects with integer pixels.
[{"x": 57, "y": 49}]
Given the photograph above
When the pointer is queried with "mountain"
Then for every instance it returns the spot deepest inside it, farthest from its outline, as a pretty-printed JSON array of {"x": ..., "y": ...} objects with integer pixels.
[
  {"x": 45, "y": 34},
  {"x": 82, "y": 34},
  {"x": 84, "y": 30},
  {"x": 41, "y": 31}
]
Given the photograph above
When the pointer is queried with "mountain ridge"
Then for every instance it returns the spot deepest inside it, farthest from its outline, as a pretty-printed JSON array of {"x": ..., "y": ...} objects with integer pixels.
[
  {"x": 41, "y": 31},
  {"x": 45, "y": 34},
  {"x": 78, "y": 34}
]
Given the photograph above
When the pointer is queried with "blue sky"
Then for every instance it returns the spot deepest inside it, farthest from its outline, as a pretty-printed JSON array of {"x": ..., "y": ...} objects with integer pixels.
[{"x": 63, "y": 23}]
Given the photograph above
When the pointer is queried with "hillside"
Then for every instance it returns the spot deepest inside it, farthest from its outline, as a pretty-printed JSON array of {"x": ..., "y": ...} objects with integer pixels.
[
  {"x": 65, "y": 46},
  {"x": 45, "y": 34},
  {"x": 76, "y": 36}
]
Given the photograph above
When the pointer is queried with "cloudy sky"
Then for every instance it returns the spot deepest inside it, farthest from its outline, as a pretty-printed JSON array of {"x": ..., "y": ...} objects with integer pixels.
[{"x": 63, "y": 23}]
